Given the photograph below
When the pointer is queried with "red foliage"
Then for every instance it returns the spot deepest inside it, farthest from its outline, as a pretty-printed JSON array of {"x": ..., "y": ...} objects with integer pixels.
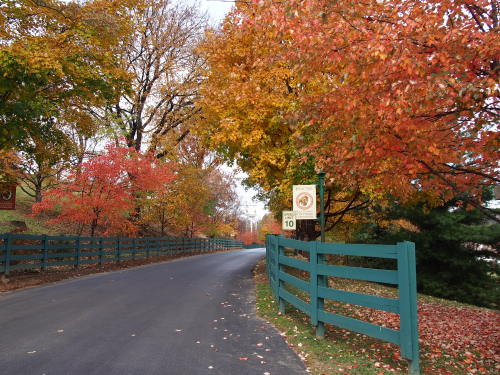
[
  {"x": 248, "y": 238},
  {"x": 464, "y": 338},
  {"x": 395, "y": 96},
  {"x": 451, "y": 338},
  {"x": 106, "y": 190}
]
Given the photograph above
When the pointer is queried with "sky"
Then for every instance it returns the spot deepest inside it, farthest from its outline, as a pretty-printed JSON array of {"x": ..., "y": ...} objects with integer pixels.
[
  {"x": 254, "y": 210},
  {"x": 216, "y": 9}
]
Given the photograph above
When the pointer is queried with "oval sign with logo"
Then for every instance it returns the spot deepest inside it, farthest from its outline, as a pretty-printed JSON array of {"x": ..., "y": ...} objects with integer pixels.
[{"x": 304, "y": 201}]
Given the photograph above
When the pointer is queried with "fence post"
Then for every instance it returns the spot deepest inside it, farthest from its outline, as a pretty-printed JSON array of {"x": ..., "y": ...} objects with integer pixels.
[
  {"x": 45, "y": 247},
  {"x": 78, "y": 254},
  {"x": 408, "y": 305},
  {"x": 281, "y": 251},
  {"x": 313, "y": 277},
  {"x": 101, "y": 250},
  {"x": 415, "y": 361},
  {"x": 134, "y": 249},
  {"x": 322, "y": 281},
  {"x": 118, "y": 249},
  {"x": 7, "y": 250},
  {"x": 268, "y": 256}
]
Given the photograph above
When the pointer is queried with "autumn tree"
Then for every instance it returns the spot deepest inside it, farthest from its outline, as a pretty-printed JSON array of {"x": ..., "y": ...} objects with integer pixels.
[
  {"x": 223, "y": 207},
  {"x": 268, "y": 225},
  {"x": 180, "y": 209},
  {"x": 165, "y": 71},
  {"x": 40, "y": 164},
  {"x": 57, "y": 56},
  {"x": 408, "y": 99},
  {"x": 247, "y": 99},
  {"x": 244, "y": 101},
  {"x": 201, "y": 200},
  {"x": 248, "y": 238},
  {"x": 105, "y": 191},
  {"x": 8, "y": 160},
  {"x": 385, "y": 97}
]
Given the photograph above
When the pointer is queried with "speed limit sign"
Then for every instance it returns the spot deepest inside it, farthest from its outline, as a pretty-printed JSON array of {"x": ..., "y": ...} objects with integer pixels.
[{"x": 289, "y": 222}]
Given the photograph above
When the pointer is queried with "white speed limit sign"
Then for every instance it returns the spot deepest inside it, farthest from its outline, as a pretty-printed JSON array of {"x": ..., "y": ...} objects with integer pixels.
[{"x": 289, "y": 222}]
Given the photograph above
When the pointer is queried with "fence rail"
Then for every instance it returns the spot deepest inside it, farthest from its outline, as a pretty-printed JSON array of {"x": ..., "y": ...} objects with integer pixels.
[
  {"x": 24, "y": 252},
  {"x": 317, "y": 288}
]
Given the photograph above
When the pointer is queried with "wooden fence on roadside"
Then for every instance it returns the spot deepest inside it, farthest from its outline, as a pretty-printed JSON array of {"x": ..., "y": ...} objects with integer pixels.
[
  {"x": 318, "y": 290},
  {"x": 24, "y": 252}
]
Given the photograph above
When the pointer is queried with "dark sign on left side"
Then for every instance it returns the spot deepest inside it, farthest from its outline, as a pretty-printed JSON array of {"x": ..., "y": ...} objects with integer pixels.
[{"x": 7, "y": 196}]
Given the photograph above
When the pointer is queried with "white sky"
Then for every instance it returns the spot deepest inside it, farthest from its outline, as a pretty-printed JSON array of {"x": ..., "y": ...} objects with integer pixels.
[
  {"x": 217, "y": 9},
  {"x": 255, "y": 209}
]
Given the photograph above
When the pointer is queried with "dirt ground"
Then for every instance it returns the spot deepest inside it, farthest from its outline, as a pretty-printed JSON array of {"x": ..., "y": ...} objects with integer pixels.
[
  {"x": 24, "y": 279},
  {"x": 259, "y": 272}
]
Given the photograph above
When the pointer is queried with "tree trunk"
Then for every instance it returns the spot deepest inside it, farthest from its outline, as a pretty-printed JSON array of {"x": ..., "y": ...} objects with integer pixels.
[
  {"x": 306, "y": 230},
  {"x": 93, "y": 227},
  {"x": 38, "y": 183},
  {"x": 38, "y": 194}
]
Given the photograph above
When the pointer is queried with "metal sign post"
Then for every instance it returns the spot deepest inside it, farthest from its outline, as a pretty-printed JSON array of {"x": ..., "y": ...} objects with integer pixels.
[{"x": 321, "y": 183}]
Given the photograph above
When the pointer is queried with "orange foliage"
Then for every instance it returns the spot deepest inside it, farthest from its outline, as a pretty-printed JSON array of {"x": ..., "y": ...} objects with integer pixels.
[
  {"x": 385, "y": 96},
  {"x": 269, "y": 225}
]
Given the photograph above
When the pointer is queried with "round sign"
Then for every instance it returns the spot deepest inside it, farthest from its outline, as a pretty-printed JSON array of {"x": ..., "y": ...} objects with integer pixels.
[
  {"x": 304, "y": 200},
  {"x": 6, "y": 195}
]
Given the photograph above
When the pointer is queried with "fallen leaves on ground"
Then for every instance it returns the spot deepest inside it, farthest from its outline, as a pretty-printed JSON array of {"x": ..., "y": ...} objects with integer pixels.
[{"x": 454, "y": 338}]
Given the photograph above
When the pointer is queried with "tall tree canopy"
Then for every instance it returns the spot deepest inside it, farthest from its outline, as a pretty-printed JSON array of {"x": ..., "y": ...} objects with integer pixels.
[
  {"x": 57, "y": 57},
  {"x": 165, "y": 71},
  {"x": 387, "y": 97}
]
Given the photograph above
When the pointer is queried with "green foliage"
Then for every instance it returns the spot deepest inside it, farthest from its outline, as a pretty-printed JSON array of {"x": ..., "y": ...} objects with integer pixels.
[
  {"x": 56, "y": 57},
  {"x": 16, "y": 115},
  {"x": 457, "y": 250},
  {"x": 22, "y": 213}
]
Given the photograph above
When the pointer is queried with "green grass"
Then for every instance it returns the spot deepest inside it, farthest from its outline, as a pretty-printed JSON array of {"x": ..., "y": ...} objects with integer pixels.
[
  {"x": 21, "y": 213},
  {"x": 455, "y": 338},
  {"x": 335, "y": 354}
]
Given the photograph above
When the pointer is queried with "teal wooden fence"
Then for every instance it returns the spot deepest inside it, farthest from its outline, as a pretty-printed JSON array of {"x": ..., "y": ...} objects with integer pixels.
[
  {"x": 23, "y": 252},
  {"x": 317, "y": 288}
]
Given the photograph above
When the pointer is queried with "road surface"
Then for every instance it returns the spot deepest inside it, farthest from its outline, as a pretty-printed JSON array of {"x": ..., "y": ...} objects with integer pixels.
[{"x": 190, "y": 316}]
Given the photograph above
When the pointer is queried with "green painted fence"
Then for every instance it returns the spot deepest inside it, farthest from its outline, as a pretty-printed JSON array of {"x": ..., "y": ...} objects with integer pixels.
[
  {"x": 23, "y": 252},
  {"x": 317, "y": 288}
]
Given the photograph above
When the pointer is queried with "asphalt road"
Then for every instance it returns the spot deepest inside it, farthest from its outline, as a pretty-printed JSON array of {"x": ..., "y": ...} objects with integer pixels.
[{"x": 190, "y": 316}]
